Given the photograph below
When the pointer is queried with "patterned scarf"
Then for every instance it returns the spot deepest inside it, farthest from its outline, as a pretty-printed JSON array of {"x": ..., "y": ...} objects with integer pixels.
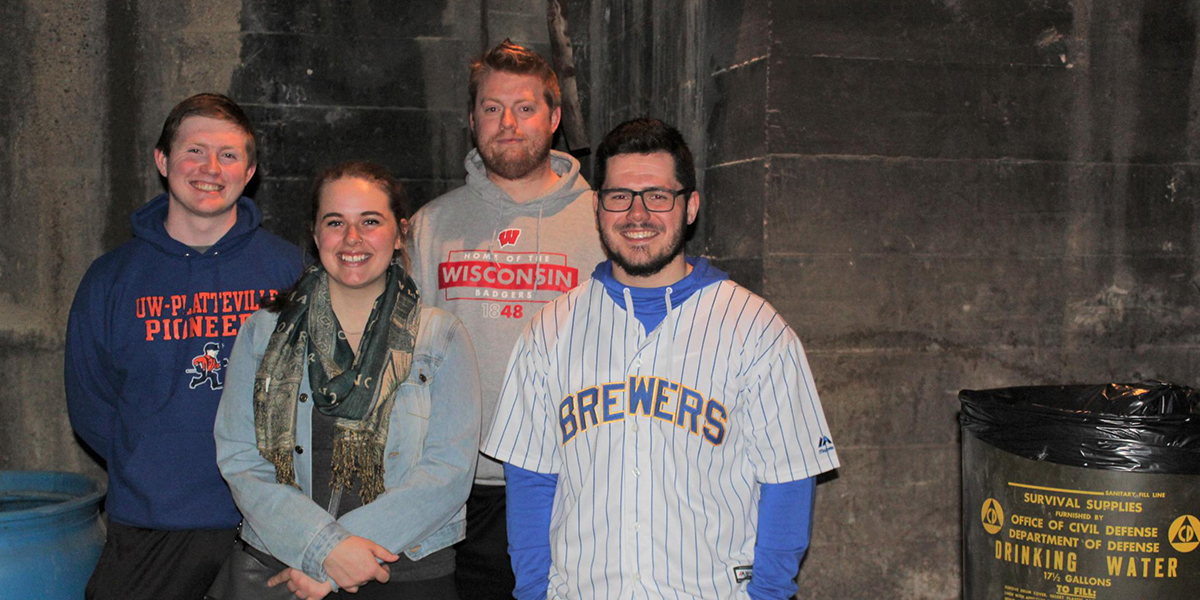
[{"x": 359, "y": 390}]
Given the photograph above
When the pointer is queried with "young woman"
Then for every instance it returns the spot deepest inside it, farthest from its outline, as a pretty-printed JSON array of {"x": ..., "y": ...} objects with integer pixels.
[{"x": 349, "y": 424}]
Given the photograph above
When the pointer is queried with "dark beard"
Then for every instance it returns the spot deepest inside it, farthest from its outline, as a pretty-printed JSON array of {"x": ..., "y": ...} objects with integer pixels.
[
  {"x": 654, "y": 264},
  {"x": 516, "y": 163}
]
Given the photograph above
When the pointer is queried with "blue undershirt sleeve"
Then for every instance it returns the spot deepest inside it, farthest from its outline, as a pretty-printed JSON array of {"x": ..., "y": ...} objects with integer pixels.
[
  {"x": 784, "y": 524},
  {"x": 530, "y": 501}
]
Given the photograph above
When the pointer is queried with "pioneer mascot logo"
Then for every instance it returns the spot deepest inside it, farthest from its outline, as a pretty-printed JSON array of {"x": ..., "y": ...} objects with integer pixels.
[{"x": 207, "y": 367}]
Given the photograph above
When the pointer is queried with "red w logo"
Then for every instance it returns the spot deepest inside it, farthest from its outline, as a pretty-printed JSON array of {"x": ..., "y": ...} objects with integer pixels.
[{"x": 509, "y": 237}]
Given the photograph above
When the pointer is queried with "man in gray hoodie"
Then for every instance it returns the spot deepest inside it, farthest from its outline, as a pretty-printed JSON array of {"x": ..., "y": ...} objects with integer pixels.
[{"x": 520, "y": 232}]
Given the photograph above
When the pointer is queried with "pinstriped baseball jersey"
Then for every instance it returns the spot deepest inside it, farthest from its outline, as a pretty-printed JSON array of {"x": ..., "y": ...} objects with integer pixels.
[{"x": 661, "y": 439}]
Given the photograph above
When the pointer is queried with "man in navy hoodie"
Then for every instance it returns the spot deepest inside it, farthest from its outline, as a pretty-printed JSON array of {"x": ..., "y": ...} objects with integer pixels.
[{"x": 149, "y": 332}]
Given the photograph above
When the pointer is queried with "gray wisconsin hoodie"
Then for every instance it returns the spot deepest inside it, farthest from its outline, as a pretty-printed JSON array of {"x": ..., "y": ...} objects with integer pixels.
[{"x": 494, "y": 262}]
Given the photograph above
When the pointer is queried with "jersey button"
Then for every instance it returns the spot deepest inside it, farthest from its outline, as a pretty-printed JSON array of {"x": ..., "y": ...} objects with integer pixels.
[
  {"x": 635, "y": 426},
  {"x": 636, "y": 526},
  {"x": 304, "y": 397},
  {"x": 299, "y": 449},
  {"x": 636, "y": 472},
  {"x": 637, "y": 576}
]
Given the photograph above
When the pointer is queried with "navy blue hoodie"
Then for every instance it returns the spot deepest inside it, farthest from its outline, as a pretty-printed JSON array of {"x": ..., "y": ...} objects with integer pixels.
[{"x": 149, "y": 332}]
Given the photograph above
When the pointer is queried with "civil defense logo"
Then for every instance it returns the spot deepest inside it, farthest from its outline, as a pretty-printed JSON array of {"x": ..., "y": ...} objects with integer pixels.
[
  {"x": 508, "y": 237},
  {"x": 1183, "y": 533},
  {"x": 992, "y": 515}
]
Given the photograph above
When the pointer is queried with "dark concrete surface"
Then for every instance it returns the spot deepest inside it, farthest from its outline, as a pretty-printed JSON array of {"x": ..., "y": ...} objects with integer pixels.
[{"x": 937, "y": 195}]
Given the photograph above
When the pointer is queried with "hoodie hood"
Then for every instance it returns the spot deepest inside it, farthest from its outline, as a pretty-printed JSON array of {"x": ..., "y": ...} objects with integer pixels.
[
  {"x": 569, "y": 186},
  {"x": 650, "y": 305},
  {"x": 565, "y": 191},
  {"x": 149, "y": 225}
]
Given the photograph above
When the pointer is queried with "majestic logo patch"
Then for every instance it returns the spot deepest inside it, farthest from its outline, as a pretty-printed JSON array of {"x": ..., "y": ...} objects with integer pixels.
[
  {"x": 824, "y": 444},
  {"x": 508, "y": 237},
  {"x": 743, "y": 572},
  {"x": 207, "y": 367}
]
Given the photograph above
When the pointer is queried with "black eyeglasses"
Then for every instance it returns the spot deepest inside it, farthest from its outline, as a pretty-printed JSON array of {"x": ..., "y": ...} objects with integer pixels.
[{"x": 654, "y": 199}]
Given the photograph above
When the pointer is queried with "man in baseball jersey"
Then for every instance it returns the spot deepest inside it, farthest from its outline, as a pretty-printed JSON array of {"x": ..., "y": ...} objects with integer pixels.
[
  {"x": 495, "y": 250},
  {"x": 659, "y": 424}
]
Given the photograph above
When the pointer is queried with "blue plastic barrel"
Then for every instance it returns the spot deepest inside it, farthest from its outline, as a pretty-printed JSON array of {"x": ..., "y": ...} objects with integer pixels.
[{"x": 50, "y": 534}]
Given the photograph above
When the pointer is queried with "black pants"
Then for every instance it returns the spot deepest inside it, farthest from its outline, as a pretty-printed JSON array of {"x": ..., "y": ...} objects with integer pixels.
[
  {"x": 436, "y": 588},
  {"x": 484, "y": 570},
  {"x": 440, "y": 588},
  {"x": 150, "y": 564}
]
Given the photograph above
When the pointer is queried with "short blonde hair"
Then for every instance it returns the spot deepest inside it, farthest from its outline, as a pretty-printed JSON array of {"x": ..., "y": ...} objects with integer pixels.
[{"x": 508, "y": 57}]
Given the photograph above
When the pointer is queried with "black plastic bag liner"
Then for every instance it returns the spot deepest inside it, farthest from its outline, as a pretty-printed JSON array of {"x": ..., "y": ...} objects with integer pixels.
[{"x": 1149, "y": 427}]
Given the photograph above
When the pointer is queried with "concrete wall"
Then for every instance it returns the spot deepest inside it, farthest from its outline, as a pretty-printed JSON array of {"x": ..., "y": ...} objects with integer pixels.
[
  {"x": 937, "y": 196},
  {"x": 952, "y": 195},
  {"x": 53, "y": 181},
  {"x": 87, "y": 86}
]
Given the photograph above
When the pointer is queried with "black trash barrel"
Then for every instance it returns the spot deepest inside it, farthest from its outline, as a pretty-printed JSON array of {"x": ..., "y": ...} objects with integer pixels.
[{"x": 1081, "y": 492}]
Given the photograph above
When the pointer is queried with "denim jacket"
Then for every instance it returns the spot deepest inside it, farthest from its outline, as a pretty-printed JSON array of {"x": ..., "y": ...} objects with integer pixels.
[{"x": 429, "y": 460}]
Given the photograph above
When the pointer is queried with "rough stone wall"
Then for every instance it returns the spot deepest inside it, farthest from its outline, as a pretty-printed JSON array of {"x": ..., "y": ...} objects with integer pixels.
[
  {"x": 376, "y": 80},
  {"x": 522, "y": 21},
  {"x": 937, "y": 195},
  {"x": 941, "y": 196},
  {"x": 642, "y": 59},
  {"x": 87, "y": 86},
  {"x": 52, "y": 156}
]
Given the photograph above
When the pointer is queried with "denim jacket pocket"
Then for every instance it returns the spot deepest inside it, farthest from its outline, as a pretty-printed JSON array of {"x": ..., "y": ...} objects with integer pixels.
[
  {"x": 414, "y": 392},
  {"x": 410, "y": 420}
]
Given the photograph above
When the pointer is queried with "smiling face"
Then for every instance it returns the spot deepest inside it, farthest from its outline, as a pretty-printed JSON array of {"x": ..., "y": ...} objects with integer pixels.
[
  {"x": 646, "y": 247},
  {"x": 356, "y": 235},
  {"x": 512, "y": 124},
  {"x": 207, "y": 169}
]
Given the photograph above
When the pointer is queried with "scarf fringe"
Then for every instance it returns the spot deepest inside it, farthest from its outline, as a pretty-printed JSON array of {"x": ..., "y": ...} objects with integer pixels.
[
  {"x": 285, "y": 472},
  {"x": 355, "y": 453}
]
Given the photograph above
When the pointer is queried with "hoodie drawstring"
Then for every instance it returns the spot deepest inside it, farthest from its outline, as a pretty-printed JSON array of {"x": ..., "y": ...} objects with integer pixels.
[
  {"x": 669, "y": 332},
  {"x": 181, "y": 364},
  {"x": 495, "y": 232},
  {"x": 537, "y": 236},
  {"x": 631, "y": 322},
  {"x": 667, "y": 327}
]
